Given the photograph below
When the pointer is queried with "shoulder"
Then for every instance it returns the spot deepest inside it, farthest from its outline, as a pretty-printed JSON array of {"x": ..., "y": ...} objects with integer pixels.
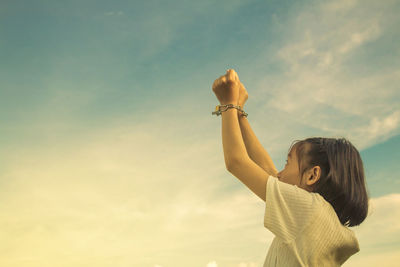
[
  {"x": 293, "y": 192},
  {"x": 289, "y": 208}
]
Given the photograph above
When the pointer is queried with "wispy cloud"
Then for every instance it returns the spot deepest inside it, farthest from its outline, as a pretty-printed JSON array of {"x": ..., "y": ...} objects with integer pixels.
[
  {"x": 151, "y": 187},
  {"x": 383, "y": 220},
  {"x": 129, "y": 186},
  {"x": 322, "y": 86}
]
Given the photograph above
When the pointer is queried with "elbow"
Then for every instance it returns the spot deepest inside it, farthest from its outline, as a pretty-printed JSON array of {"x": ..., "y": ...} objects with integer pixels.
[
  {"x": 228, "y": 166},
  {"x": 231, "y": 165}
]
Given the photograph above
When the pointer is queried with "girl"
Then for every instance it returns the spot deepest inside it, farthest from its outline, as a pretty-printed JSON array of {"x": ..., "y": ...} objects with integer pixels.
[{"x": 310, "y": 204}]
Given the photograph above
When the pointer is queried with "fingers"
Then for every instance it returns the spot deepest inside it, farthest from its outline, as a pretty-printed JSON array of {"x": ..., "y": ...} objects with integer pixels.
[
  {"x": 220, "y": 80},
  {"x": 232, "y": 75}
]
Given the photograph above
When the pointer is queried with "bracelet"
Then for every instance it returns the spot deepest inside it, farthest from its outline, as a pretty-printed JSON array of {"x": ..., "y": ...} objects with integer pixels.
[{"x": 218, "y": 111}]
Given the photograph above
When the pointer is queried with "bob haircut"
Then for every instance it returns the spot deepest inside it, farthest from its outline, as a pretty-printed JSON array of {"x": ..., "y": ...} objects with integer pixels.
[{"x": 342, "y": 181}]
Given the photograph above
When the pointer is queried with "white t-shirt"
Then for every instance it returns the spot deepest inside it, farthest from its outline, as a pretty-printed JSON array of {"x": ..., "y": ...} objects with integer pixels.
[{"x": 306, "y": 228}]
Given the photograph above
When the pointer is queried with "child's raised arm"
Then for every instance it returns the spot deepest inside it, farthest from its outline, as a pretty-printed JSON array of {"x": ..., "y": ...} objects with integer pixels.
[
  {"x": 253, "y": 146},
  {"x": 237, "y": 160}
]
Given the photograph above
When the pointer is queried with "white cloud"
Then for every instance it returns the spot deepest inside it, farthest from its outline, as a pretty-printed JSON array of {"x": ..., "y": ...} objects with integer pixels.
[
  {"x": 322, "y": 87},
  {"x": 212, "y": 264},
  {"x": 382, "y": 126},
  {"x": 379, "y": 234},
  {"x": 383, "y": 220},
  {"x": 358, "y": 38}
]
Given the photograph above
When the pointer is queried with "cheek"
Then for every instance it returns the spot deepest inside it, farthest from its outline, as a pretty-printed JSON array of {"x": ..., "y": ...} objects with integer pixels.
[{"x": 291, "y": 174}]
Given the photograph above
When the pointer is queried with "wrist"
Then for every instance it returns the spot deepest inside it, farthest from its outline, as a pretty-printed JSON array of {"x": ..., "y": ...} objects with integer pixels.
[
  {"x": 228, "y": 102},
  {"x": 240, "y": 115}
]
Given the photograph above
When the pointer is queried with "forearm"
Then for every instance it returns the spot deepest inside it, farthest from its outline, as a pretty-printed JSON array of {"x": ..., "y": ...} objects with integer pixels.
[
  {"x": 254, "y": 148},
  {"x": 232, "y": 141}
]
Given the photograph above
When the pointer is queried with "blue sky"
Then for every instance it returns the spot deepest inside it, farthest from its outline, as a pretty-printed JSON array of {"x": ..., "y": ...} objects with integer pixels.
[{"x": 111, "y": 157}]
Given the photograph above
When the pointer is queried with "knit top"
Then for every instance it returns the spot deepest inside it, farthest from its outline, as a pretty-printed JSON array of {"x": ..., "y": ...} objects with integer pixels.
[{"x": 306, "y": 227}]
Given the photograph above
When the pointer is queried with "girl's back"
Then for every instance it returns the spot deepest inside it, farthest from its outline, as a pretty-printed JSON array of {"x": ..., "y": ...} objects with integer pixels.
[{"x": 306, "y": 228}]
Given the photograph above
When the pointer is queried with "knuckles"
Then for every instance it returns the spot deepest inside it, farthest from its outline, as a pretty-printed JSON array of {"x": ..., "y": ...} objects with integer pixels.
[{"x": 230, "y": 79}]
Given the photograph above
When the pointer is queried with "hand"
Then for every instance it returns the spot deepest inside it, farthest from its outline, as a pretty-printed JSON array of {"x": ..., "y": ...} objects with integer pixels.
[
  {"x": 243, "y": 95},
  {"x": 226, "y": 88}
]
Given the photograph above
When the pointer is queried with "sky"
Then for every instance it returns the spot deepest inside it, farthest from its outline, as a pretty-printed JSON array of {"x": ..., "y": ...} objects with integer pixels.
[{"x": 110, "y": 155}]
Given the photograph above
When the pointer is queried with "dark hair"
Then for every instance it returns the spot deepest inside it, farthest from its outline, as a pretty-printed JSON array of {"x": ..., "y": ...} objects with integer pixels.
[{"x": 342, "y": 181}]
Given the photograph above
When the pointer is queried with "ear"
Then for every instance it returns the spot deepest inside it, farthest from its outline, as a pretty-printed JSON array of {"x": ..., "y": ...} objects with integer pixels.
[{"x": 313, "y": 175}]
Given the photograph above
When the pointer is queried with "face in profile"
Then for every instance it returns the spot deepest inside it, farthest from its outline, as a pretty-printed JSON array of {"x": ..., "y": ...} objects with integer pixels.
[{"x": 290, "y": 173}]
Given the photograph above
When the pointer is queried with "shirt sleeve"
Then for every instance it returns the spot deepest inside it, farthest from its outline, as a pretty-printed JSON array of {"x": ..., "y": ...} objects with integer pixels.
[{"x": 288, "y": 208}]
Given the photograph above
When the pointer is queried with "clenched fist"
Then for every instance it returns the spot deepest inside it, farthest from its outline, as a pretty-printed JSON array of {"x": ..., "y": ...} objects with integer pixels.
[{"x": 226, "y": 88}]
